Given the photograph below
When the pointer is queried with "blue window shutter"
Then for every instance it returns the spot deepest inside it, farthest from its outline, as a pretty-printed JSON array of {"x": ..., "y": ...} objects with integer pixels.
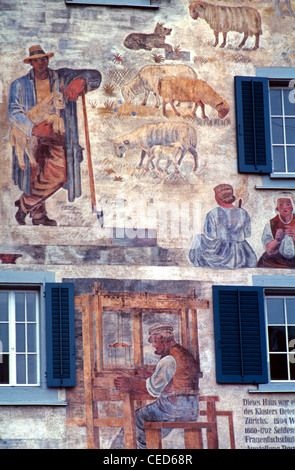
[
  {"x": 253, "y": 125},
  {"x": 240, "y": 335},
  {"x": 60, "y": 335}
]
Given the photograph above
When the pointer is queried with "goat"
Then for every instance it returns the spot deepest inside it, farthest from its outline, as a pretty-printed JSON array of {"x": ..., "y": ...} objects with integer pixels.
[{"x": 48, "y": 110}]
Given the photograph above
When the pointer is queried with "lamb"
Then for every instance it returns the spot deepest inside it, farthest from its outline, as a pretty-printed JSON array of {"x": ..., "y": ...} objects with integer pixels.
[
  {"x": 148, "y": 77},
  {"x": 223, "y": 19},
  {"x": 191, "y": 90},
  {"x": 159, "y": 153},
  {"x": 48, "y": 110},
  {"x": 168, "y": 134}
]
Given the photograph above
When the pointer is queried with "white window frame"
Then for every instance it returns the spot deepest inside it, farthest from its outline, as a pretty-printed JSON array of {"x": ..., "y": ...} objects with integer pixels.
[
  {"x": 282, "y": 181},
  {"x": 12, "y": 346},
  {"x": 277, "y": 283},
  {"x": 283, "y": 116},
  {"x": 285, "y": 324},
  {"x": 39, "y": 394}
]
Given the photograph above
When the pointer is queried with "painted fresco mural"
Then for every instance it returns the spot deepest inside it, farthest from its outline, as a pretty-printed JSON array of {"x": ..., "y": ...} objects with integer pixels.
[
  {"x": 120, "y": 174},
  {"x": 161, "y": 103},
  {"x": 145, "y": 365},
  {"x": 224, "y": 244}
]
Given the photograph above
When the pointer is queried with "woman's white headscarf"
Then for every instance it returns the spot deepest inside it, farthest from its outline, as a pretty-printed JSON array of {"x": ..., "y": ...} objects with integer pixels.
[{"x": 284, "y": 195}]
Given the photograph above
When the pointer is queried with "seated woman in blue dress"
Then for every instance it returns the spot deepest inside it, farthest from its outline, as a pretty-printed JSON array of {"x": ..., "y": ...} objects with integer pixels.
[{"x": 223, "y": 244}]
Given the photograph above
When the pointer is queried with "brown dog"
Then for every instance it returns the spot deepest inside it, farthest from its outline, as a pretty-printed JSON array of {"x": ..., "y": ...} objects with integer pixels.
[{"x": 156, "y": 39}]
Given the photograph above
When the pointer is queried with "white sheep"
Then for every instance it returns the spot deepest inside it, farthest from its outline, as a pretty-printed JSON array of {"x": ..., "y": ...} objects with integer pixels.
[
  {"x": 147, "y": 79},
  {"x": 223, "y": 19},
  {"x": 159, "y": 153},
  {"x": 48, "y": 110},
  {"x": 178, "y": 135}
]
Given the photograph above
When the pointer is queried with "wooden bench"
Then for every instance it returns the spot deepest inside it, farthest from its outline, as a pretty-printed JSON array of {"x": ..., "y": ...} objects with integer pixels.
[
  {"x": 192, "y": 433},
  {"x": 193, "y": 430}
]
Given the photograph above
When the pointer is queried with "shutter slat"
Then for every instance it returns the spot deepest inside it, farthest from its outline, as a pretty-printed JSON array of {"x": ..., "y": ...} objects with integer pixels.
[
  {"x": 60, "y": 335},
  {"x": 253, "y": 125},
  {"x": 240, "y": 343}
]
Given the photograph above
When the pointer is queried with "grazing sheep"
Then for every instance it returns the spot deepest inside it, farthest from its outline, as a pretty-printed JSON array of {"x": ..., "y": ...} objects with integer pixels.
[
  {"x": 192, "y": 90},
  {"x": 223, "y": 19},
  {"x": 148, "y": 77},
  {"x": 167, "y": 134},
  {"x": 46, "y": 110}
]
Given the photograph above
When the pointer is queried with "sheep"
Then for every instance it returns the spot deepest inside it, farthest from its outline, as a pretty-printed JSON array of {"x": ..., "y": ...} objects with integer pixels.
[
  {"x": 168, "y": 134},
  {"x": 223, "y": 19},
  {"x": 48, "y": 110},
  {"x": 148, "y": 77},
  {"x": 191, "y": 90},
  {"x": 159, "y": 153}
]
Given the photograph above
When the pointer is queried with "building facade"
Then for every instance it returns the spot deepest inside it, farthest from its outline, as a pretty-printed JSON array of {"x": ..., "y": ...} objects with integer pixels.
[{"x": 160, "y": 189}]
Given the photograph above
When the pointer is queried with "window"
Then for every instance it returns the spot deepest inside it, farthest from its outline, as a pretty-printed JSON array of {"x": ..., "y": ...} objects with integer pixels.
[
  {"x": 265, "y": 127},
  {"x": 280, "y": 315},
  {"x": 19, "y": 337},
  {"x": 282, "y": 115},
  {"x": 37, "y": 338},
  {"x": 255, "y": 336}
]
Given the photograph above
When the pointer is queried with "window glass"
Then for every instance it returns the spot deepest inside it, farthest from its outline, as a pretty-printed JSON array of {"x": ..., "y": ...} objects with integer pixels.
[
  {"x": 19, "y": 306},
  {"x": 3, "y": 306},
  {"x": 31, "y": 306},
  {"x": 290, "y": 304},
  {"x": 277, "y": 131},
  {"x": 291, "y": 159},
  {"x": 280, "y": 317},
  {"x": 290, "y": 130},
  {"x": 278, "y": 367},
  {"x": 279, "y": 159},
  {"x": 277, "y": 338},
  {"x": 289, "y": 107},
  {"x": 275, "y": 311},
  {"x": 275, "y": 102}
]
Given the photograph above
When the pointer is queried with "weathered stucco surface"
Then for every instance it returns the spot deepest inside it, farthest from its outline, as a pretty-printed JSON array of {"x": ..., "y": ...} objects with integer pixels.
[{"x": 173, "y": 206}]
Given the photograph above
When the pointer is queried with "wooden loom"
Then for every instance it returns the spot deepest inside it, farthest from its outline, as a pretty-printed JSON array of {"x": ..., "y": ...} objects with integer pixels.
[{"x": 99, "y": 376}]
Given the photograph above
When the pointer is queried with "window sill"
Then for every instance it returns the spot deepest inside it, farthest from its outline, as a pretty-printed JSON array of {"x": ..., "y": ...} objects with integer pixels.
[
  {"x": 277, "y": 182},
  {"x": 274, "y": 388},
  {"x": 31, "y": 396},
  {"x": 282, "y": 175}
]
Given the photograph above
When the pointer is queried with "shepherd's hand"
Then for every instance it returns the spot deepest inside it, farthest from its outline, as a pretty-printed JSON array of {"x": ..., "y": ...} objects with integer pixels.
[
  {"x": 42, "y": 130},
  {"x": 74, "y": 89}
]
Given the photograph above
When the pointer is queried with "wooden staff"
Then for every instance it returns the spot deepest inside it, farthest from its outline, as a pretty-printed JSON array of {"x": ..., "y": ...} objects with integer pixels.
[{"x": 90, "y": 166}]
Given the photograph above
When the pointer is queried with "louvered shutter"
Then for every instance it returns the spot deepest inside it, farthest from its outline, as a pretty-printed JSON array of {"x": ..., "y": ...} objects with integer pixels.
[
  {"x": 60, "y": 335},
  {"x": 253, "y": 125},
  {"x": 240, "y": 336}
]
